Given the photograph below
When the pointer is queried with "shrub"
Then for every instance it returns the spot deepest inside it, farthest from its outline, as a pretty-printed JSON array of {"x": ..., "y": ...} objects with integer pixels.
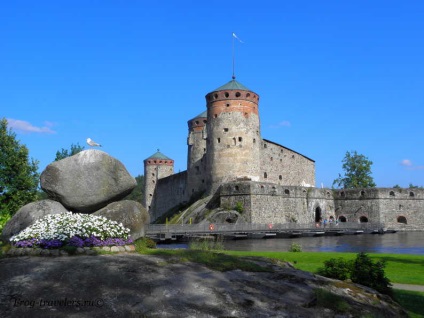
[
  {"x": 367, "y": 273},
  {"x": 336, "y": 269},
  {"x": 239, "y": 207},
  {"x": 294, "y": 247},
  {"x": 361, "y": 271},
  {"x": 144, "y": 243}
]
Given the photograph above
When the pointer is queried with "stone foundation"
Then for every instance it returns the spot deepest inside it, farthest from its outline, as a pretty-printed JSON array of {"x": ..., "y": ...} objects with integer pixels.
[{"x": 29, "y": 251}]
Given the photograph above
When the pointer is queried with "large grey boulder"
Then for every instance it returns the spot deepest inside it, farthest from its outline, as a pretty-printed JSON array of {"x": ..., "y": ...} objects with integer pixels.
[
  {"x": 87, "y": 181},
  {"x": 28, "y": 214},
  {"x": 130, "y": 213}
]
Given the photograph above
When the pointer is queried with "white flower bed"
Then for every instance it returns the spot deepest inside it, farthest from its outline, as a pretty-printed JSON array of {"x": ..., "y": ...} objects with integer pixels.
[{"x": 64, "y": 226}]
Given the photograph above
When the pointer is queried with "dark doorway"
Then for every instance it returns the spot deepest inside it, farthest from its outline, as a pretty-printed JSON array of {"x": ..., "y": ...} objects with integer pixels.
[
  {"x": 363, "y": 219},
  {"x": 401, "y": 219},
  {"x": 342, "y": 218},
  {"x": 318, "y": 214}
]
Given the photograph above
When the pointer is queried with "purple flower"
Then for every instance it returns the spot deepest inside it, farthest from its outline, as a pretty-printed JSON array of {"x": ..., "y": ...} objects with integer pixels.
[
  {"x": 48, "y": 244},
  {"x": 93, "y": 241},
  {"x": 76, "y": 241},
  {"x": 26, "y": 243}
]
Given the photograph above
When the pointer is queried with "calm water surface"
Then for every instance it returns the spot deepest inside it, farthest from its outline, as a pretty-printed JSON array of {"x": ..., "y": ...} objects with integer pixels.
[{"x": 396, "y": 243}]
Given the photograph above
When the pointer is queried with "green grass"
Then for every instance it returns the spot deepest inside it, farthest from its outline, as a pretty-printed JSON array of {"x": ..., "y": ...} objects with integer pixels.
[
  {"x": 412, "y": 301},
  {"x": 400, "y": 268}
]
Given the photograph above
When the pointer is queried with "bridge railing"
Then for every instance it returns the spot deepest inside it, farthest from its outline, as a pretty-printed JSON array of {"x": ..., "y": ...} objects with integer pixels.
[{"x": 255, "y": 227}]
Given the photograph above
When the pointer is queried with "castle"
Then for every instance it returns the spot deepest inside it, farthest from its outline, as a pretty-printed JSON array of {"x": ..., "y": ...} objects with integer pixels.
[{"x": 228, "y": 159}]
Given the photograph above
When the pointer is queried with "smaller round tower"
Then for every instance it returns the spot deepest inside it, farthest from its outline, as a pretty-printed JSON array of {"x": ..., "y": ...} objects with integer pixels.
[
  {"x": 196, "y": 139},
  {"x": 196, "y": 158},
  {"x": 156, "y": 167}
]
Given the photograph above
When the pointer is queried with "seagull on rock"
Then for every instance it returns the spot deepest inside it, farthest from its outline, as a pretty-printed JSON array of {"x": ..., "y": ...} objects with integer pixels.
[{"x": 92, "y": 143}]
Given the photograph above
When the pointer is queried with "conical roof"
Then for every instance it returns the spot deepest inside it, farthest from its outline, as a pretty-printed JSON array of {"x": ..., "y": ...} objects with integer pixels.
[
  {"x": 202, "y": 115},
  {"x": 159, "y": 155},
  {"x": 232, "y": 85}
]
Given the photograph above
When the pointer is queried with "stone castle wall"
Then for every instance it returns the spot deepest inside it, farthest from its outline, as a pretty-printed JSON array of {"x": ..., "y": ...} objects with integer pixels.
[
  {"x": 169, "y": 193},
  {"x": 284, "y": 166},
  {"x": 395, "y": 207},
  {"x": 270, "y": 203}
]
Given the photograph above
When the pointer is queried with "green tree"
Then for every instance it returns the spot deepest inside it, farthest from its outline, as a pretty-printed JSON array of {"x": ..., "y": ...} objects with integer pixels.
[
  {"x": 18, "y": 174},
  {"x": 357, "y": 172},
  {"x": 411, "y": 186},
  {"x": 138, "y": 193},
  {"x": 64, "y": 153}
]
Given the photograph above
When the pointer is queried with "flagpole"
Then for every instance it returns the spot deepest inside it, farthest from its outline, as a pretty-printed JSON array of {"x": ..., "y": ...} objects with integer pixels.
[{"x": 233, "y": 57}]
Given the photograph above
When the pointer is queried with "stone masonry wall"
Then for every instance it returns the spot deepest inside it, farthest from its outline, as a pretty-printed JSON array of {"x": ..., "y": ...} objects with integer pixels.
[
  {"x": 270, "y": 203},
  {"x": 284, "y": 166},
  {"x": 396, "y": 208},
  {"x": 169, "y": 192}
]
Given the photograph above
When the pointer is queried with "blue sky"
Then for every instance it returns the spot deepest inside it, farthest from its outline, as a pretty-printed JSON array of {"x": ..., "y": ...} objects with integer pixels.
[{"x": 333, "y": 76}]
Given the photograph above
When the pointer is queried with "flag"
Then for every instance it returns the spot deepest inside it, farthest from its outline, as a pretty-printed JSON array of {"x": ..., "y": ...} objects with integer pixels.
[{"x": 235, "y": 36}]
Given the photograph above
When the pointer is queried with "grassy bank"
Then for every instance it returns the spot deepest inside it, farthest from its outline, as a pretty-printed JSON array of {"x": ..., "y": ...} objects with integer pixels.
[
  {"x": 412, "y": 301},
  {"x": 400, "y": 268}
]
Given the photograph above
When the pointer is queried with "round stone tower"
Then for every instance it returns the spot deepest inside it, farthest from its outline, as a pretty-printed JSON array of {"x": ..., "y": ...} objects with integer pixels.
[
  {"x": 196, "y": 139},
  {"x": 233, "y": 134},
  {"x": 157, "y": 166},
  {"x": 196, "y": 155}
]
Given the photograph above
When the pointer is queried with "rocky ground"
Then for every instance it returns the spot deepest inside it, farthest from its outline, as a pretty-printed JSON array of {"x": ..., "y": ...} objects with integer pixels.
[{"x": 133, "y": 285}]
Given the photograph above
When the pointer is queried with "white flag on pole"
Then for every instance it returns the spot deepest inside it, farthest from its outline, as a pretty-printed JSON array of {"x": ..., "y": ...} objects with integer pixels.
[{"x": 235, "y": 36}]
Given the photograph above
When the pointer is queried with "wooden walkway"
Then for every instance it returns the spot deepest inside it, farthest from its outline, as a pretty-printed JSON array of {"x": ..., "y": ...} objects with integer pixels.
[{"x": 235, "y": 231}]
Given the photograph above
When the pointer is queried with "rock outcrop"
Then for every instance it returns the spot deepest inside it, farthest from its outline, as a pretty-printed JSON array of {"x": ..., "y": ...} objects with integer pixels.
[
  {"x": 28, "y": 214},
  {"x": 87, "y": 181},
  {"x": 130, "y": 213},
  {"x": 156, "y": 286}
]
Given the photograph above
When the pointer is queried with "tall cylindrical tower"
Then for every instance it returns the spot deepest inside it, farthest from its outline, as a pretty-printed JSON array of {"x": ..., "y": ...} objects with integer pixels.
[
  {"x": 156, "y": 167},
  {"x": 233, "y": 134},
  {"x": 196, "y": 155},
  {"x": 196, "y": 139}
]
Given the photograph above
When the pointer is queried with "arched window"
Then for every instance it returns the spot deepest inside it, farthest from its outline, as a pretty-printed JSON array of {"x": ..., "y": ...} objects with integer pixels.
[
  {"x": 363, "y": 219},
  {"x": 402, "y": 219}
]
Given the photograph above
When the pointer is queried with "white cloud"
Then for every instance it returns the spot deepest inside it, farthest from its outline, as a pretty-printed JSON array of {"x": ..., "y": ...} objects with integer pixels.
[
  {"x": 406, "y": 163},
  {"x": 284, "y": 123},
  {"x": 410, "y": 166},
  {"x": 24, "y": 126}
]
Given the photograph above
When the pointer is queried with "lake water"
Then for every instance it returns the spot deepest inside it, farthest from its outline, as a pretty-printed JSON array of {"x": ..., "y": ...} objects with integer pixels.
[{"x": 396, "y": 243}]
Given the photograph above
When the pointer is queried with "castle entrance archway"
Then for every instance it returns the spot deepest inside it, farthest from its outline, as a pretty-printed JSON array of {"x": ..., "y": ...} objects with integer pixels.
[{"x": 318, "y": 214}]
